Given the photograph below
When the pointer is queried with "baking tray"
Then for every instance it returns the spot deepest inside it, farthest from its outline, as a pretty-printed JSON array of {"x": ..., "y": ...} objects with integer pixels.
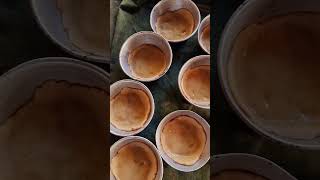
[{"x": 132, "y": 16}]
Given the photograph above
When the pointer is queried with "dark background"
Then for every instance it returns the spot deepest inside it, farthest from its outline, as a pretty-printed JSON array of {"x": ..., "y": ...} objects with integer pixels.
[
  {"x": 232, "y": 135},
  {"x": 21, "y": 39}
]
